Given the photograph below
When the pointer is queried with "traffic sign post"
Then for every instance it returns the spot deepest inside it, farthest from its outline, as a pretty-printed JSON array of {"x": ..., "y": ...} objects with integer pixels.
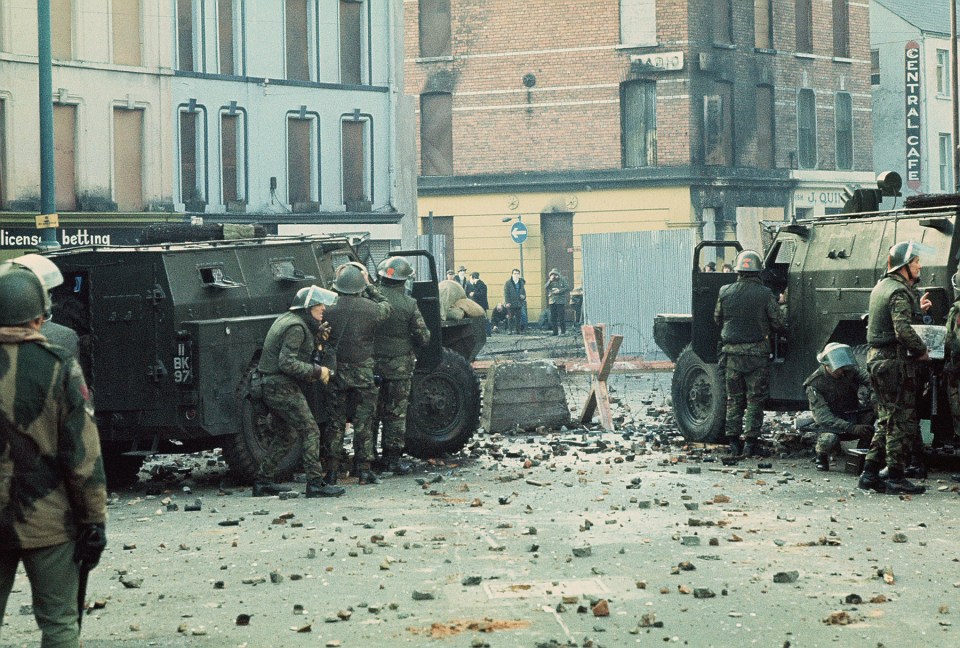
[{"x": 518, "y": 233}]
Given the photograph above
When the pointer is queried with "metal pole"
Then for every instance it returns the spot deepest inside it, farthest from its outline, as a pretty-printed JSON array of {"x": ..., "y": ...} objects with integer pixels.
[
  {"x": 520, "y": 220},
  {"x": 953, "y": 93},
  {"x": 430, "y": 232},
  {"x": 48, "y": 203}
]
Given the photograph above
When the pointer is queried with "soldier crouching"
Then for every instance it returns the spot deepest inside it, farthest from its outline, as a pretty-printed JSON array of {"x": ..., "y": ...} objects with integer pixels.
[
  {"x": 285, "y": 365},
  {"x": 839, "y": 395}
]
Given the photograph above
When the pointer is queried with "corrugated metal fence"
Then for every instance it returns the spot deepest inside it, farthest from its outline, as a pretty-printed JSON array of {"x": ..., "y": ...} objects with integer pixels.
[
  {"x": 628, "y": 277},
  {"x": 439, "y": 255}
]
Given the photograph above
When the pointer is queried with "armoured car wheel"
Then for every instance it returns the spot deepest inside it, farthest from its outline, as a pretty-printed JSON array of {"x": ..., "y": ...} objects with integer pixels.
[
  {"x": 245, "y": 450},
  {"x": 444, "y": 409},
  {"x": 699, "y": 399}
]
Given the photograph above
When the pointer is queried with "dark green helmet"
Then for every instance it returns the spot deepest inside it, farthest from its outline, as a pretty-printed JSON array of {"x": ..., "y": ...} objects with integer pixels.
[
  {"x": 21, "y": 297},
  {"x": 349, "y": 280},
  {"x": 748, "y": 261},
  {"x": 311, "y": 296},
  {"x": 396, "y": 268},
  {"x": 904, "y": 252},
  {"x": 47, "y": 272}
]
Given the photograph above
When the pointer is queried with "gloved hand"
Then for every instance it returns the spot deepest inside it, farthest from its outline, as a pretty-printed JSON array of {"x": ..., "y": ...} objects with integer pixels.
[
  {"x": 91, "y": 542},
  {"x": 324, "y": 331},
  {"x": 862, "y": 430},
  {"x": 322, "y": 374}
]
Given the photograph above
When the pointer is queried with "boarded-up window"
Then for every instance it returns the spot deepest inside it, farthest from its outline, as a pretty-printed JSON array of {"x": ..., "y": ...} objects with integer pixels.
[
  {"x": 65, "y": 156},
  {"x": 128, "y": 159},
  {"x": 354, "y": 161},
  {"x": 233, "y": 157},
  {"x": 185, "y": 59},
  {"x": 807, "y": 129},
  {"x": 844, "y": 119},
  {"x": 436, "y": 134},
  {"x": 841, "y": 28},
  {"x": 299, "y": 160},
  {"x": 126, "y": 32},
  {"x": 434, "y": 28},
  {"x": 351, "y": 42},
  {"x": 804, "y": 17},
  {"x": 638, "y": 22},
  {"x": 874, "y": 67},
  {"x": 61, "y": 29},
  {"x": 298, "y": 40},
  {"x": 225, "y": 36},
  {"x": 763, "y": 24},
  {"x": 718, "y": 126},
  {"x": 639, "y": 123},
  {"x": 766, "y": 133},
  {"x": 723, "y": 21},
  {"x": 192, "y": 164}
]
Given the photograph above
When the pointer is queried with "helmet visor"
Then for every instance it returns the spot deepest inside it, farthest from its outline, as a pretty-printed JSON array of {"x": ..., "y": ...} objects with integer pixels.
[{"x": 837, "y": 358}]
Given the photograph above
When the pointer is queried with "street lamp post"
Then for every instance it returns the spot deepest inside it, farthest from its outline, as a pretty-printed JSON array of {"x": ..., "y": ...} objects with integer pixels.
[{"x": 48, "y": 235}]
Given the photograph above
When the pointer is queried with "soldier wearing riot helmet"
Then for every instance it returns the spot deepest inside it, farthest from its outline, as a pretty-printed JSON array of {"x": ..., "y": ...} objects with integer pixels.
[
  {"x": 747, "y": 314},
  {"x": 53, "y": 492},
  {"x": 840, "y": 398},
  {"x": 896, "y": 351},
  {"x": 50, "y": 277},
  {"x": 285, "y": 368},
  {"x": 353, "y": 322},
  {"x": 397, "y": 339}
]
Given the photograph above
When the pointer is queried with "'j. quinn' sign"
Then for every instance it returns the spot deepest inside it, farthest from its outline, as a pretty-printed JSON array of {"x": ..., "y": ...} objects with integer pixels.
[{"x": 912, "y": 87}]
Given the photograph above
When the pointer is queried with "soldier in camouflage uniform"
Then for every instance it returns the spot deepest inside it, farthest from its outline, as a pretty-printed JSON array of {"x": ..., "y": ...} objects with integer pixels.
[
  {"x": 747, "y": 313},
  {"x": 397, "y": 338},
  {"x": 53, "y": 493},
  {"x": 834, "y": 392},
  {"x": 285, "y": 369},
  {"x": 893, "y": 362},
  {"x": 951, "y": 355},
  {"x": 353, "y": 323}
]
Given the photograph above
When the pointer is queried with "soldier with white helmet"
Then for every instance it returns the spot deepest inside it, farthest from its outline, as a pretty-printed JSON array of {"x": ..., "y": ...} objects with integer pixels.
[
  {"x": 286, "y": 367},
  {"x": 839, "y": 394}
]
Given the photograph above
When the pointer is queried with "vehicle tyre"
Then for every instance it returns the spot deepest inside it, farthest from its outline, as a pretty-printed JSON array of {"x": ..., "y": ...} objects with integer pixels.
[
  {"x": 444, "y": 409},
  {"x": 245, "y": 450},
  {"x": 122, "y": 470},
  {"x": 699, "y": 398}
]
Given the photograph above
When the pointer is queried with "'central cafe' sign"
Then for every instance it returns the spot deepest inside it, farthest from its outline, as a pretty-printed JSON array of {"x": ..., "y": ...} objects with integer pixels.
[{"x": 912, "y": 87}]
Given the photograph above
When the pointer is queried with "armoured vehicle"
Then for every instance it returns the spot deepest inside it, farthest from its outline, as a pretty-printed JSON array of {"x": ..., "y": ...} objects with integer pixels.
[
  {"x": 170, "y": 334},
  {"x": 825, "y": 269}
]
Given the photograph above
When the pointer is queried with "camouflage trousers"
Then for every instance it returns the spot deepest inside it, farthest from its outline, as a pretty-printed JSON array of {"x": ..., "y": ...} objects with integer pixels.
[
  {"x": 898, "y": 422},
  {"x": 353, "y": 396},
  {"x": 291, "y": 421},
  {"x": 392, "y": 412},
  {"x": 953, "y": 397},
  {"x": 54, "y": 579},
  {"x": 747, "y": 379}
]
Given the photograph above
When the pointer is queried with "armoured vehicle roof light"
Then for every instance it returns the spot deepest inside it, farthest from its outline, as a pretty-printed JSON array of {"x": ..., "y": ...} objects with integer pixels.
[{"x": 889, "y": 183}]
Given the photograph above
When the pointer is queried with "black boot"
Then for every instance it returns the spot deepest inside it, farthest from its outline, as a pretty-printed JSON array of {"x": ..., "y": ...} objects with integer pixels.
[
  {"x": 367, "y": 476},
  {"x": 330, "y": 478},
  {"x": 736, "y": 447},
  {"x": 263, "y": 488},
  {"x": 396, "y": 465},
  {"x": 822, "y": 462},
  {"x": 897, "y": 484},
  {"x": 751, "y": 448},
  {"x": 322, "y": 489},
  {"x": 916, "y": 471},
  {"x": 870, "y": 478}
]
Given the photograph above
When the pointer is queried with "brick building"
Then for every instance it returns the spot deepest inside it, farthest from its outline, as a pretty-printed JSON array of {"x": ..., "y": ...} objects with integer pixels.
[{"x": 628, "y": 115}]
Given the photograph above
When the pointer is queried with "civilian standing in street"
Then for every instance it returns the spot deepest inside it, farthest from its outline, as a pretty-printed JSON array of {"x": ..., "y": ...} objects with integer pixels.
[
  {"x": 285, "y": 370},
  {"x": 462, "y": 278},
  {"x": 53, "y": 492},
  {"x": 558, "y": 291},
  {"x": 514, "y": 298},
  {"x": 747, "y": 314}
]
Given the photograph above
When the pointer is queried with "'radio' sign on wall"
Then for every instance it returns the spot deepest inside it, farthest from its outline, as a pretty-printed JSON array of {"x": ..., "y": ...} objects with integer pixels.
[{"x": 912, "y": 87}]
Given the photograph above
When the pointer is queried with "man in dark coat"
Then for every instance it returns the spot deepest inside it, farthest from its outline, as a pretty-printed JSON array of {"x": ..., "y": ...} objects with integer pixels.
[
  {"x": 477, "y": 291},
  {"x": 514, "y": 297},
  {"x": 558, "y": 291}
]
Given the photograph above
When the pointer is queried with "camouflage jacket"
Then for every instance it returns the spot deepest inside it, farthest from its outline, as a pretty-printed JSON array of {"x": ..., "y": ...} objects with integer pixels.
[
  {"x": 402, "y": 332},
  {"x": 894, "y": 307},
  {"x": 51, "y": 470},
  {"x": 353, "y": 325},
  {"x": 835, "y": 402},
  {"x": 951, "y": 343},
  {"x": 746, "y": 313},
  {"x": 288, "y": 348}
]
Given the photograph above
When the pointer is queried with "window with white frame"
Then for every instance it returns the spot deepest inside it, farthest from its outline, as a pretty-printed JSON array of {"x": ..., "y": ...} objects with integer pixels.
[
  {"x": 807, "y": 129},
  {"x": 943, "y": 72},
  {"x": 638, "y": 22},
  {"x": 230, "y": 37},
  {"x": 193, "y": 149},
  {"x": 352, "y": 41},
  {"x": 189, "y": 21},
  {"x": 299, "y": 38},
  {"x": 356, "y": 157}
]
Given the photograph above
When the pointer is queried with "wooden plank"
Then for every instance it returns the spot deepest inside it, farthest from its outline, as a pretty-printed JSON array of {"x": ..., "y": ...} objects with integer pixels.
[{"x": 609, "y": 357}]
